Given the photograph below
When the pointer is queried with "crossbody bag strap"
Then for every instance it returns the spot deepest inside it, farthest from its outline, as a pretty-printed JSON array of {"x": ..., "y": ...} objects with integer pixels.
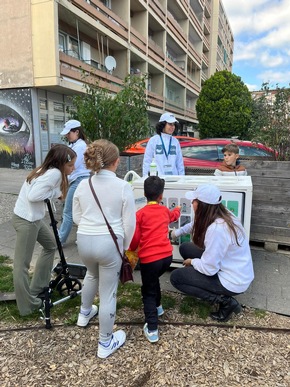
[{"x": 107, "y": 223}]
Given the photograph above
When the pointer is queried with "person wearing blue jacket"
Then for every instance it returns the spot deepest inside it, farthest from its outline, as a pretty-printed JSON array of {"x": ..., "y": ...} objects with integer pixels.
[
  {"x": 77, "y": 141},
  {"x": 164, "y": 149}
]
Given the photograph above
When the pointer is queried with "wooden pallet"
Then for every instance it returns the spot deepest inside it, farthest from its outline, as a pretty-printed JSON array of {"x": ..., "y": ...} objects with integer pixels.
[{"x": 7, "y": 296}]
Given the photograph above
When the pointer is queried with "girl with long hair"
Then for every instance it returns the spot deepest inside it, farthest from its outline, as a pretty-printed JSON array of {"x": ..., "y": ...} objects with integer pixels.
[
  {"x": 48, "y": 181},
  {"x": 218, "y": 262}
]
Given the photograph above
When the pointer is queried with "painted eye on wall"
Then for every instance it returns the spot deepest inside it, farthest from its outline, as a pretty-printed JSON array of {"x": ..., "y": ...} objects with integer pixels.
[{"x": 11, "y": 122}]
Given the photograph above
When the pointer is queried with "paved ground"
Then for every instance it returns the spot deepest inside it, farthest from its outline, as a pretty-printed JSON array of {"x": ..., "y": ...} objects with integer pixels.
[{"x": 270, "y": 290}]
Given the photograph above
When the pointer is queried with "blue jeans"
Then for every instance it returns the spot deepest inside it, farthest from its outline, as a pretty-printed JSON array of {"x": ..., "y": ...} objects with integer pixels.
[{"x": 67, "y": 220}]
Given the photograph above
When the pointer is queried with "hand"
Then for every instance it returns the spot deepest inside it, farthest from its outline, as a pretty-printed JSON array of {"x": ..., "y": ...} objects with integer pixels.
[
  {"x": 173, "y": 236},
  {"x": 187, "y": 262}
]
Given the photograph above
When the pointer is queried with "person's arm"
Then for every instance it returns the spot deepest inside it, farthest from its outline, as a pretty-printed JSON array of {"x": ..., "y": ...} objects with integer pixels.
[
  {"x": 137, "y": 235},
  {"x": 217, "y": 241},
  {"x": 174, "y": 214},
  {"x": 179, "y": 160},
  {"x": 46, "y": 186},
  {"x": 218, "y": 172},
  {"x": 129, "y": 215},
  {"x": 186, "y": 229},
  {"x": 76, "y": 209},
  {"x": 148, "y": 156}
]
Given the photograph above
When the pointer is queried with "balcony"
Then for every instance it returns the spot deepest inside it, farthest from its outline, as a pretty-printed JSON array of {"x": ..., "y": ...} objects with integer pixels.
[
  {"x": 194, "y": 54},
  {"x": 175, "y": 70},
  {"x": 73, "y": 68},
  {"x": 104, "y": 16},
  {"x": 157, "y": 8},
  {"x": 137, "y": 40},
  {"x": 155, "y": 52},
  {"x": 176, "y": 30},
  {"x": 155, "y": 100},
  {"x": 195, "y": 88},
  {"x": 195, "y": 22}
]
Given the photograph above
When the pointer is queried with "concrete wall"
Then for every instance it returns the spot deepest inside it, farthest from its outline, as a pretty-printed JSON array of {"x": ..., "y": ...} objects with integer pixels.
[{"x": 16, "y": 44}]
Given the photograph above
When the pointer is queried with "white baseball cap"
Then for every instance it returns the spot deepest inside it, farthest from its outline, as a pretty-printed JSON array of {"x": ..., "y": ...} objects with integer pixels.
[
  {"x": 206, "y": 193},
  {"x": 168, "y": 117},
  {"x": 69, "y": 125}
]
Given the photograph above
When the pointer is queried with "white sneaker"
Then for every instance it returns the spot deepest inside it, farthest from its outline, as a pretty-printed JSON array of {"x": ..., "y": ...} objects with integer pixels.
[
  {"x": 83, "y": 320},
  {"x": 117, "y": 340},
  {"x": 160, "y": 311},
  {"x": 151, "y": 336}
]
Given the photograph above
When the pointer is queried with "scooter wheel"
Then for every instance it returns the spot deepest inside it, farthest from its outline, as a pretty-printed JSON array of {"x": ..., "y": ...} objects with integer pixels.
[{"x": 66, "y": 286}]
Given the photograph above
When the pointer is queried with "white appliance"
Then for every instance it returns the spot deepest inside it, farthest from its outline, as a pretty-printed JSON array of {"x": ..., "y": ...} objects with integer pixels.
[{"x": 236, "y": 196}]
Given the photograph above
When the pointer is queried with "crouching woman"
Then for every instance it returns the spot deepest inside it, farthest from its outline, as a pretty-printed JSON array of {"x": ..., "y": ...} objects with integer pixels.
[{"x": 218, "y": 262}]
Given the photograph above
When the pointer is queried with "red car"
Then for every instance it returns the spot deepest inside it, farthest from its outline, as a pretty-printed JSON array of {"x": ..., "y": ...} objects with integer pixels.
[
  {"x": 208, "y": 153},
  {"x": 139, "y": 146}
]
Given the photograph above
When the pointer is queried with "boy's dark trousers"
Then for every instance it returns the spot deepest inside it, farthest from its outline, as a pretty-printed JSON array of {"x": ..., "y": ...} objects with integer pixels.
[{"x": 150, "y": 289}]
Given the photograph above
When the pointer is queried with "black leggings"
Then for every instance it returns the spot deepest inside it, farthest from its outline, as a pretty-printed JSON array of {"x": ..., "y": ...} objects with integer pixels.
[{"x": 192, "y": 282}]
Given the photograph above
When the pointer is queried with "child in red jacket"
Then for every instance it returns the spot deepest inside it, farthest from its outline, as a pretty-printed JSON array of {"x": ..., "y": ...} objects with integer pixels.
[{"x": 154, "y": 250}]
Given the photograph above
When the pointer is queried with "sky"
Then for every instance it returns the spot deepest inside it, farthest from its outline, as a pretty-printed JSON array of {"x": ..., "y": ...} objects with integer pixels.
[{"x": 261, "y": 31}]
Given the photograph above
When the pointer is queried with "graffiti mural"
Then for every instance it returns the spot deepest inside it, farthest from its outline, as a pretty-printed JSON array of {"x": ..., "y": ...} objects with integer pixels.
[{"x": 16, "y": 135}]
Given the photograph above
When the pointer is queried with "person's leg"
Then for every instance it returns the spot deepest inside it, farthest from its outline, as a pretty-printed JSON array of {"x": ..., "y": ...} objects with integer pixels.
[
  {"x": 26, "y": 235},
  {"x": 109, "y": 271},
  {"x": 67, "y": 220},
  {"x": 207, "y": 288},
  {"x": 190, "y": 250},
  {"x": 191, "y": 282},
  {"x": 150, "y": 289},
  {"x": 165, "y": 265},
  {"x": 103, "y": 264},
  {"x": 42, "y": 271},
  {"x": 86, "y": 249}
]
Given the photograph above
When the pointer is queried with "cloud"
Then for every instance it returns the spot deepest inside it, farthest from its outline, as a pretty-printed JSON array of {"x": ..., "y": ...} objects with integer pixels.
[
  {"x": 252, "y": 87},
  {"x": 275, "y": 77},
  {"x": 261, "y": 40}
]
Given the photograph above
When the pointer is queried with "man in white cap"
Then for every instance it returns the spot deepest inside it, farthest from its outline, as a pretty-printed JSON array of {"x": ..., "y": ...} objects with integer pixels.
[
  {"x": 217, "y": 263},
  {"x": 75, "y": 135},
  {"x": 164, "y": 149}
]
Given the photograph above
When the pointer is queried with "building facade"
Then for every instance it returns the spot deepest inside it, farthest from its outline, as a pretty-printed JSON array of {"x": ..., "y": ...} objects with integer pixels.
[{"x": 49, "y": 45}]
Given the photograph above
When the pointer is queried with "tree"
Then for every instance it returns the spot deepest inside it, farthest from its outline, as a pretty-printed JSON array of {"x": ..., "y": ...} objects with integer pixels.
[
  {"x": 120, "y": 118},
  {"x": 270, "y": 123},
  {"x": 224, "y": 107}
]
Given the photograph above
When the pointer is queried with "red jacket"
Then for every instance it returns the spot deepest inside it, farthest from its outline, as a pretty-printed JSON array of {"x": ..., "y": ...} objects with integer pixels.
[{"x": 151, "y": 233}]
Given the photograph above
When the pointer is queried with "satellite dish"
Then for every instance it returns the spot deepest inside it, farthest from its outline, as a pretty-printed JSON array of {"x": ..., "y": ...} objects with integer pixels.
[{"x": 110, "y": 63}]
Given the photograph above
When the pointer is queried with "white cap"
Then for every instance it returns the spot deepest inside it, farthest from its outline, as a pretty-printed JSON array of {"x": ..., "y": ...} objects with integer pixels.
[
  {"x": 69, "y": 125},
  {"x": 206, "y": 193},
  {"x": 168, "y": 117}
]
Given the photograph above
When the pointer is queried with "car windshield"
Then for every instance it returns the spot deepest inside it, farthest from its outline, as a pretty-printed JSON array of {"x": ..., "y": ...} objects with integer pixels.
[{"x": 205, "y": 152}]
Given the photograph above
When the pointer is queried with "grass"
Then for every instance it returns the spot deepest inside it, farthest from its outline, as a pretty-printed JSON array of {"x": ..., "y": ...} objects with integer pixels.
[{"x": 129, "y": 296}]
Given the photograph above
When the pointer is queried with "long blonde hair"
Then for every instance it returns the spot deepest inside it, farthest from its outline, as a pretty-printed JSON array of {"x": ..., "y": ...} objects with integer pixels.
[
  {"x": 57, "y": 157},
  {"x": 100, "y": 154}
]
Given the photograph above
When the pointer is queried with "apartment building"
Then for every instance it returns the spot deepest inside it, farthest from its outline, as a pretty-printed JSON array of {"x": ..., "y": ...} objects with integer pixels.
[{"x": 47, "y": 45}]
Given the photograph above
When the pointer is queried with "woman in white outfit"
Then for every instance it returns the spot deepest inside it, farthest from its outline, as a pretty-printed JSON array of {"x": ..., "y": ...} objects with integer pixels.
[
  {"x": 164, "y": 148},
  {"x": 95, "y": 244},
  {"x": 218, "y": 263}
]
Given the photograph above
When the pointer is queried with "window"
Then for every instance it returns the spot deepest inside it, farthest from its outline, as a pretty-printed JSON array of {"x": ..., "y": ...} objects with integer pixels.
[
  {"x": 73, "y": 47},
  {"x": 206, "y": 152},
  {"x": 62, "y": 42}
]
